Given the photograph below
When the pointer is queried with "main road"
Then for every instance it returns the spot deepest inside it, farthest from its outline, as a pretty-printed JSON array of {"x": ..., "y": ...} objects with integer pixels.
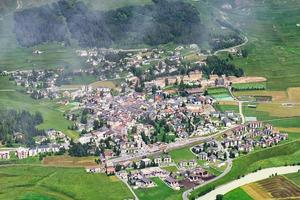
[
  {"x": 172, "y": 146},
  {"x": 250, "y": 178}
]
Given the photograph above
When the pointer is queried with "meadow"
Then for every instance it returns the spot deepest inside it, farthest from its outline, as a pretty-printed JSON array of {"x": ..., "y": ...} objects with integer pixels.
[
  {"x": 162, "y": 191},
  {"x": 28, "y": 182},
  {"x": 271, "y": 27},
  {"x": 236, "y": 194},
  {"x": 53, "y": 117}
]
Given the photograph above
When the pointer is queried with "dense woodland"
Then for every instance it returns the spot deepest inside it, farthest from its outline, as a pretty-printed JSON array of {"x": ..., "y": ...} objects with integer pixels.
[
  {"x": 22, "y": 122},
  {"x": 157, "y": 23}
]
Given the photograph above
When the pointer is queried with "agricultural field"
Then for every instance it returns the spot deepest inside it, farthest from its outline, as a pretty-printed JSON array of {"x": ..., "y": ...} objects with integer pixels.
[
  {"x": 287, "y": 153},
  {"x": 25, "y": 182},
  {"x": 162, "y": 191},
  {"x": 237, "y": 194},
  {"x": 277, "y": 187},
  {"x": 271, "y": 27},
  {"x": 68, "y": 161},
  {"x": 295, "y": 178},
  {"x": 248, "y": 86}
]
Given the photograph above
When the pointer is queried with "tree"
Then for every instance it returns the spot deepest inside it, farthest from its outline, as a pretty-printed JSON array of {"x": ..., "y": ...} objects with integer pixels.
[
  {"x": 219, "y": 197},
  {"x": 166, "y": 82}
]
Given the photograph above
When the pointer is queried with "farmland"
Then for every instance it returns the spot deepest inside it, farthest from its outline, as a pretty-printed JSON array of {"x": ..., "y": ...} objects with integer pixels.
[
  {"x": 295, "y": 178},
  {"x": 236, "y": 194},
  {"x": 273, "y": 41},
  {"x": 273, "y": 188},
  {"x": 23, "y": 182},
  {"x": 67, "y": 161},
  {"x": 249, "y": 86},
  {"x": 287, "y": 153}
]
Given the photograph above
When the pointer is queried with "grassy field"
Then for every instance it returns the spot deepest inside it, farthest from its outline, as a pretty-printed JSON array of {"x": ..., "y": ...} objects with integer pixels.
[
  {"x": 287, "y": 153},
  {"x": 219, "y": 93},
  {"x": 53, "y": 117},
  {"x": 249, "y": 86},
  {"x": 58, "y": 183},
  {"x": 273, "y": 40},
  {"x": 236, "y": 194},
  {"x": 295, "y": 178},
  {"x": 162, "y": 191}
]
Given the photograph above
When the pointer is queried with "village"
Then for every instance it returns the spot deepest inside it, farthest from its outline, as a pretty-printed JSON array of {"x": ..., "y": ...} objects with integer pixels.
[{"x": 130, "y": 129}]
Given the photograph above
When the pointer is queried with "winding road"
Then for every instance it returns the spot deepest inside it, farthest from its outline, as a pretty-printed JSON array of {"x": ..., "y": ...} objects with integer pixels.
[{"x": 250, "y": 178}]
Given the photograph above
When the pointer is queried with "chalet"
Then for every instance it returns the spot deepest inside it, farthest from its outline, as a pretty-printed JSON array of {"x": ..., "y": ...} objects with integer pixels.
[
  {"x": 146, "y": 161},
  {"x": 157, "y": 160},
  {"x": 110, "y": 170},
  {"x": 227, "y": 122},
  {"x": 145, "y": 183},
  {"x": 255, "y": 124},
  {"x": 4, "y": 155},
  {"x": 172, "y": 183},
  {"x": 167, "y": 159},
  {"x": 203, "y": 156},
  {"x": 22, "y": 153}
]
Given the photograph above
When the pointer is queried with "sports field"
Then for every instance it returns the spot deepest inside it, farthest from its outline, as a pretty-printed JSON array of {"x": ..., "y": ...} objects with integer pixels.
[{"x": 29, "y": 182}]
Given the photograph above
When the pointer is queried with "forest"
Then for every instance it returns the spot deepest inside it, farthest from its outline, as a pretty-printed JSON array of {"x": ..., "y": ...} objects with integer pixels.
[
  {"x": 158, "y": 23},
  {"x": 22, "y": 122}
]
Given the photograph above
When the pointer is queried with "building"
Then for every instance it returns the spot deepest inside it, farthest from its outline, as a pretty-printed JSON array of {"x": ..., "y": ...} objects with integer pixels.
[
  {"x": 4, "y": 155},
  {"x": 22, "y": 153},
  {"x": 172, "y": 183}
]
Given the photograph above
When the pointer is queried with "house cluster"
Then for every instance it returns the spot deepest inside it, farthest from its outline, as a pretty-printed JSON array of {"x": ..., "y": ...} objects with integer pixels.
[
  {"x": 245, "y": 138},
  {"x": 241, "y": 140},
  {"x": 38, "y": 83},
  {"x": 52, "y": 142},
  {"x": 228, "y": 118},
  {"x": 210, "y": 151},
  {"x": 142, "y": 178}
]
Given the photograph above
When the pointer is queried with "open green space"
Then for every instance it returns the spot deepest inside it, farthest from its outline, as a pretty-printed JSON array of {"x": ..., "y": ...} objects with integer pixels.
[
  {"x": 287, "y": 153},
  {"x": 237, "y": 193},
  {"x": 27, "y": 182},
  {"x": 162, "y": 191},
  {"x": 219, "y": 93},
  {"x": 295, "y": 178},
  {"x": 273, "y": 47},
  {"x": 53, "y": 117},
  {"x": 249, "y": 86}
]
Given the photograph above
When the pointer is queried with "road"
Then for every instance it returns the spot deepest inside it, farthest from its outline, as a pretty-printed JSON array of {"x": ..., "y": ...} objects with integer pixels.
[
  {"x": 250, "y": 178},
  {"x": 131, "y": 190},
  {"x": 230, "y": 48},
  {"x": 172, "y": 146},
  {"x": 185, "y": 195}
]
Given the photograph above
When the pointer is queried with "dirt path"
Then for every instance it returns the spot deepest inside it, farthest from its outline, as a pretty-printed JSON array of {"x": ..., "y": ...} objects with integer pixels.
[
  {"x": 231, "y": 48},
  {"x": 19, "y": 4}
]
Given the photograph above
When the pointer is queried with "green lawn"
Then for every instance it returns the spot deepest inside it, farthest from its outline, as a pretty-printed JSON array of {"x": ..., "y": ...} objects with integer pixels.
[
  {"x": 237, "y": 194},
  {"x": 287, "y": 153},
  {"x": 295, "y": 177},
  {"x": 182, "y": 154},
  {"x": 162, "y": 191},
  {"x": 47, "y": 183}
]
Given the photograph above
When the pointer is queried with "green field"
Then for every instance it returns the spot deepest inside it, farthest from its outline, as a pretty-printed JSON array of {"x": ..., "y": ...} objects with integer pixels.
[
  {"x": 28, "y": 182},
  {"x": 249, "y": 86},
  {"x": 273, "y": 40},
  {"x": 287, "y": 153},
  {"x": 53, "y": 117},
  {"x": 237, "y": 193},
  {"x": 295, "y": 178},
  {"x": 219, "y": 93},
  {"x": 162, "y": 191}
]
